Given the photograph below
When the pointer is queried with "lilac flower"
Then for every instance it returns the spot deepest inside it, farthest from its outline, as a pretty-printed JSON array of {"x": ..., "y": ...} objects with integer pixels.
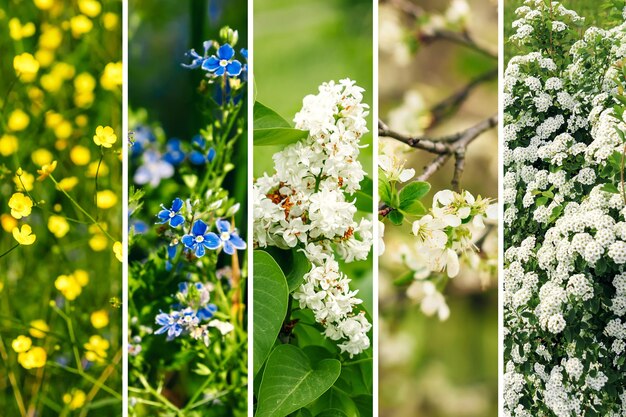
[
  {"x": 229, "y": 239},
  {"x": 172, "y": 215},
  {"x": 199, "y": 240}
]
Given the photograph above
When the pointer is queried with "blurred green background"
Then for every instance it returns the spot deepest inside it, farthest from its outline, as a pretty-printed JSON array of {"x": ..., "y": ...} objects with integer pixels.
[
  {"x": 298, "y": 46},
  {"x": 430, "y": 368}
]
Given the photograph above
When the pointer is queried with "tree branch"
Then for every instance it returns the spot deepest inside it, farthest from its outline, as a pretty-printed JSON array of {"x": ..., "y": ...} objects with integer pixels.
[{"x": 460, "y": 38}]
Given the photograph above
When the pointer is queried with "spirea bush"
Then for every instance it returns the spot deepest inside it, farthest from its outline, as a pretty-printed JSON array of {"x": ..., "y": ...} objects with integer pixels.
[{"x": 565, "y": 203}]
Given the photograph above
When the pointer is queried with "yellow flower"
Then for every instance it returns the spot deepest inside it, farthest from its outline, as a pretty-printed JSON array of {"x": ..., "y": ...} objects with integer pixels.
[
  {"x": 46, "y": 170},
  {"x": 69, "y": 286},
  {"x": 17, "y": 31},
  {"x": 75, "y": 400},
  {"x": 24, "y": 182},
  {"x": 63, "y": 130},
  {"x": 21, "y": 344},
  {"x": 8, "y": 222},
  {"x": 81, "y": 276},
  {"x": 98, "y": 242},
  {"x": 39, "y": 329},
  {"x": 89, "y": 7},
  {"x": 110, "y": 20},
  {"x": 45, "y": 57},
  {"x": 52, "y": 83},
  {"x": 84, "y": 82},
  {"x": 100, "y": 319},
  {"x": 96, "y": 349},
  {"x": 34, "y": 358},
  {"x": 18, "y": 120},
  {"x": 81, "y": 120},
  {"x": 21, "y": 205},
  {"x": 51, "y": 37},
  {"x": 112, "y": 76},
  {"x": 26, "y": 66},
  {"x": 68, "y": 184},
  {"x": 8, "y": 145},
  {"x": 58, "y": 226},
  {"x": 24, "y": 236},
  {"x": 80, "y": 25},
  {"x": 106, "y": 199},
  {"x": 41, "y": 156},
  {"x": 105, "y": 136},
  {"x": 44, "y": 4},
  {"x": 80, "y": 155},
  {"x": 118, "y": 251},
  {"x": 92, "y": 169}
]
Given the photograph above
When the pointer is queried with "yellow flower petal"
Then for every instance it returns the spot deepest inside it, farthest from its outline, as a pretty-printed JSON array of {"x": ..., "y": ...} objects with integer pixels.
[{"x": 24, "y": 236}]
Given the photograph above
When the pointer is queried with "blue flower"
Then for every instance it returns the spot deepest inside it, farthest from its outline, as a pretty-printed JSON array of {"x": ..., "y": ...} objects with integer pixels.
[
  {"x": 172, "y": 215},
  {"x": 174, "y": 153},
  {"x": 171, "y": 253},
  {"x": 223, "y": 62},
  {"x": 199, "y": 240},
  {"x": 207, "y": 312},
  {"x": 142, "y": 137},
  {"x": 230, "y": 240},
  {"x": 200, "y": 302},
  {"x": 196, "y": 60},
  {"x": 198, "y": 158},
  {"x": 176, "y": 322},
  {"x": 153, "y": 170}
]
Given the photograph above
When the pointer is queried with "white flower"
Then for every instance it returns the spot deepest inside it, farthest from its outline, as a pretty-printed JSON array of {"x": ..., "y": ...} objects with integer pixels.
[
  {"x": 394, "y": 168},
  {"x": 432, "y": 301},
  {"x": 429, "y": 232}
]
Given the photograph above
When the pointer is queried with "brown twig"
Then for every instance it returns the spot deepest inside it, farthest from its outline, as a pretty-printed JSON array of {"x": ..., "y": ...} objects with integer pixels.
[{"x": 460, "y": 38}]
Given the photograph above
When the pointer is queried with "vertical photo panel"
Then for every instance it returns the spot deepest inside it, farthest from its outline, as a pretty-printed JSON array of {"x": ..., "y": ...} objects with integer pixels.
[
  {"x": 188, "y": 86},
  {"x": 61, "y": 208},
  {"x": 313, "y": 278},
  {"x": 564, "y": 205},
  {"x": 438, "y": 190}
]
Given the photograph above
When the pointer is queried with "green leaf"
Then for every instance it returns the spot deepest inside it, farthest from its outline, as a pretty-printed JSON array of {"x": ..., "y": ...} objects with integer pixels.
[
  {"x": 364, "y": 199},
  {"x": 395, "y": 217},
  {"x": 410, "y": 195},
  {"x": 610, "y": 188},
  {"x": 270, "y": 297},
  {"x": 266, "y": 118},
  {"x": 290, "y": 382},
  {"x": 404, "y": 279},
  {"x": 294, "y": 264},
  {"x": 384, "y": 191}
]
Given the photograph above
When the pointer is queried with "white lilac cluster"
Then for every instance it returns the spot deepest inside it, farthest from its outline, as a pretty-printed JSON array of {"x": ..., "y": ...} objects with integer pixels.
[
  {"x": 308, "y": 203},
  {"x": 565, "y": 220}
]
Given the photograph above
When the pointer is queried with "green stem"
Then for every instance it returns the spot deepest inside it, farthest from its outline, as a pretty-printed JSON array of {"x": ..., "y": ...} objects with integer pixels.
[
  {"x": 82, "y": 210},
  {"x": 10, "y": 250},
  {"x": 89, "y": 378}
]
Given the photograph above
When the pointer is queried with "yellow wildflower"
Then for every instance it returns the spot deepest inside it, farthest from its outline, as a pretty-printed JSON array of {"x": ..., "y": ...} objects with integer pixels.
[
  {"x": 24, "y": 182},
  {"x": 89, "y": 7},
  {"x": 39, "y": 329},
  {"x": 84, "y": 82},
  {"x": 8, "y": 145},
  {"x": 81, "y": 120},
  {"x": 46, "y": 170},
  {"x": 44, "y": 4},
  {"x": 93, "y": 169},
  {"x": 98, "y": 242},
  {"x": 80, "y": 25},
  {"x": 17, "y": 31},
  {"x": 82, "y": 277},
  {"x": 21, "y": 344},
  {"x": 96, "y": 349},
  {"x": 18, "y": 120},
  {"x": 105, "y": 136},
  {"x": 58, "y": 226},
  {"x": 112, "y": 76},
  {"x": 118, "y": 251},
  {"x": 24, "y": 236},
  {"x": 100, "y": 319},
  {"x": 68, "y": 184},
  {"x": 106, "y": 199},
  {"x": 26, "y": 66},
  {"x": 8, "y": 222},
  {"x": 34, "y": 358},
  {"x": 51, "y": 37},
  {"x": 45, "y": 57},
  {"x": 75, "y": 400},
  {"x": 80, "y": 155},
  {"x": 110, "y": 20},
  {"x": 69, "y": 285},
  {"x": 41, "y": 156},
  {"x": 21, "y": 205}
]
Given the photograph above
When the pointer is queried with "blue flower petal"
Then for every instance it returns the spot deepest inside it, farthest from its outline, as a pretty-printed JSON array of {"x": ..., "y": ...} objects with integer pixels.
[
  {"x": 196, "y": 158},
  {"x": 212, "y": 241},
  {"x": 171, "y": 251},
  {"x": 162, "y": 318},
  {"x": 211, "y": 155},
  {"x": 234, "y": 68},
  {"x": 177, "y": 220},
  {"x": 161, "y": 330},
  {"x": 199, "y": 228},
  {"x": 228, "y": 247},
  {"x": 200, "y": 251},
  {"x": 164, "y": 215},
  {"x": 211, "y": 64},
  {"x": 225, "y": 52},
  {"x": 177, "y": 204},
  {"x": 237, "y": 242},
  {"x": 223, "y": 226},
  {"x": 198, "y": 140},
  {"x": 220, "y": 71},
  {"x": 189, "y": 241}
]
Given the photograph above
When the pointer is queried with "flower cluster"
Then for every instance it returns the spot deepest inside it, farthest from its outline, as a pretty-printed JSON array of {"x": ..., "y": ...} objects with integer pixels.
[
  {"x": 307, "y": 204},
  {"x": 565, "y": 235},
  {"x": 192, "y": 314}
]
